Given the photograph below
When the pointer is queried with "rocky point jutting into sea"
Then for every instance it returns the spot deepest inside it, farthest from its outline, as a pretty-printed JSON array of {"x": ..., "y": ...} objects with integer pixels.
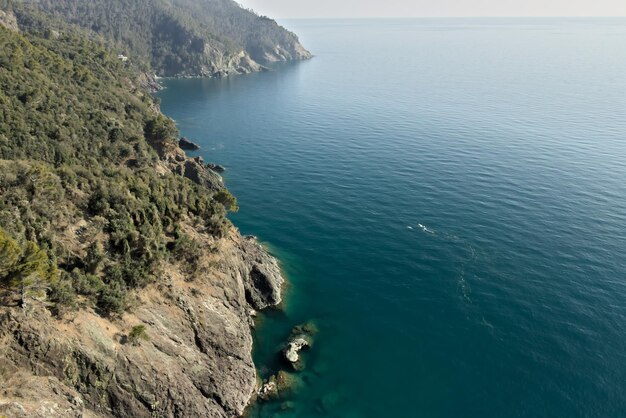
[{"x": 125, "y": 290}]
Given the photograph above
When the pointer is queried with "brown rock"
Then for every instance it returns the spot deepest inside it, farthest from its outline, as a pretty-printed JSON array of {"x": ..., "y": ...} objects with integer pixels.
[{"x": 196, "y": 363}]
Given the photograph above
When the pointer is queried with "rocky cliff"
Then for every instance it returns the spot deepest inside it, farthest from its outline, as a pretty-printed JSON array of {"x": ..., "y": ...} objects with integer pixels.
[{"x": 195, "y": 361}]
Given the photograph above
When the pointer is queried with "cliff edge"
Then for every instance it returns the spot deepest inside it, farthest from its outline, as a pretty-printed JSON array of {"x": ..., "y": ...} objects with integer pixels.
[{"x": 195, "y": 360}]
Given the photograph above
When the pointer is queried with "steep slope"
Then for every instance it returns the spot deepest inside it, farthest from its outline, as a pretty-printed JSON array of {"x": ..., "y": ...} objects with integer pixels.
[
  {"x": 124, "y": 289},
  {"x": 184, "y": 37}
]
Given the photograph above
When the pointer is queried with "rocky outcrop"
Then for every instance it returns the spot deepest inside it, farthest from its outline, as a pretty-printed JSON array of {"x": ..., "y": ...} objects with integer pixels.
[
  {"x": 289, "y": 52},
  {"x": 196, "y": 361},
  {"x": 149, "y": 82},
  {"x": 265, "y": 279},
  {"x": 216, "y": 167},
  {"x": 174, "y": 159},
  {"x": 300, "y": 339},
  {"x": 292, "y": 351},
  {"x": 8, "y": 20},
  {"x": 186, "y": 144},
  {"x": 221, "y": 64},
  {"x": 199, "y": 174}
]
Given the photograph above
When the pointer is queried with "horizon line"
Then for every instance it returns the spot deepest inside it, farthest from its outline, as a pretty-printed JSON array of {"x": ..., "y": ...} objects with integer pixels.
[{"x": 449, "y": 17}]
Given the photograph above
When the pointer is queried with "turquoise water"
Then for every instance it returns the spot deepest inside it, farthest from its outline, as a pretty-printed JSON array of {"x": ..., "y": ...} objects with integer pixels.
[{"x": 448, "y": 199}]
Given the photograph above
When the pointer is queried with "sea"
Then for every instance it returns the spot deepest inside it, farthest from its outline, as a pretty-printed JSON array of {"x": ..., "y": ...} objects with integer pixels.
[{"x": 447, "y": 198}]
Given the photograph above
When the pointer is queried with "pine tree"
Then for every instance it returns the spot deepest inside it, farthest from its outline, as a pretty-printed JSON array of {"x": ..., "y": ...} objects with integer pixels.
[
  {"x": 9, "y": 254},
  {"x": 27, "y": 272}
]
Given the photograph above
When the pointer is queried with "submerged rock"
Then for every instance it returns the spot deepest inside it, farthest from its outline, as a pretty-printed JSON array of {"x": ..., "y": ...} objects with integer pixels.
[
  {"x": 309, "y": 329},
  {"x": 277, "y": 386},
  {"x": 268, "y": 390},
  {"x": 186, "y": 144},
  {"x": 329, "y": 402}
]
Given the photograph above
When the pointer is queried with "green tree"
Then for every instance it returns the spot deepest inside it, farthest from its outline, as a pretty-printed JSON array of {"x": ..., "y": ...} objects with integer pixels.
[
  {"x": 10, "y": 253},
  {"x": 26, "y": 273},
  {"x": 160, "y": 129},
  {"x": 94, "y": 257},
  {"x": 227, "y": 200},
  {"x": 34, "y": 273}
]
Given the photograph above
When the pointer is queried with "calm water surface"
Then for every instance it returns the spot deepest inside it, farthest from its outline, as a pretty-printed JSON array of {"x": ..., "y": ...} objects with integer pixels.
[{"x": 448, "y": 200}]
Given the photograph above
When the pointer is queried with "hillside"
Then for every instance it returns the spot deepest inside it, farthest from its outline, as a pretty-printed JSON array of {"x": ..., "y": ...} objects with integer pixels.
[
  {"x": 124, "y": 289},
  {"x": 183, "y": 37}
]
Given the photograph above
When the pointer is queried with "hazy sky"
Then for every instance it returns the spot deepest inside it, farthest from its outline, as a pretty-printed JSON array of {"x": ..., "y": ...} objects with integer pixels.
[{"x": 414, "y": 8}]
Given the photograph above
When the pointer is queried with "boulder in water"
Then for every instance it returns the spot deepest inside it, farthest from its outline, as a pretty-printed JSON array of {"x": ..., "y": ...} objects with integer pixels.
[
  {"x": 300, "y": 339},
  {"x": 186, "y": 144},
  {"x": 277, "y": 386},
  {"x": 216, "y": 167},
  {"x": 293, "y": 348}
]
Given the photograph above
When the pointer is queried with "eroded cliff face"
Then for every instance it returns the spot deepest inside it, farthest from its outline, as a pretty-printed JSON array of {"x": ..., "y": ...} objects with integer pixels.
[
  {"x": 196, "y": 361},
  {"x": 220, "y": 64},
  {"x": 288, "y": 52}
]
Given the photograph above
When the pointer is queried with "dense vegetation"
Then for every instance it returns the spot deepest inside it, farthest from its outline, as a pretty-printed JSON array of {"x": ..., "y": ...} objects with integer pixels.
[
  {"x": 176, "y": 36},
  {"x": 85, "y": 216}
]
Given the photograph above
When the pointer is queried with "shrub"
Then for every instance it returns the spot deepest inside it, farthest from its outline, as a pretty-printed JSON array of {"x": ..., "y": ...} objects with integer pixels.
[
  {"x": 138, "y": 334},
  {"x": 63, "y": 297},
  {"x": 112, "y": 298},
  {"x": 94, "y": 257},
  {"x": 86, "y": 284},
  {"x": 227, "y": 200}
]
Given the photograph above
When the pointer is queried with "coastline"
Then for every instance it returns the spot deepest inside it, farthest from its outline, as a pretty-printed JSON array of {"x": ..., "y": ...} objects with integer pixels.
[
  {"x": 145, "y": 294},
  {"x": 275, "y": 367},
  {"x": 278, "y": 284},
  {"x": 198, "y": 322}
]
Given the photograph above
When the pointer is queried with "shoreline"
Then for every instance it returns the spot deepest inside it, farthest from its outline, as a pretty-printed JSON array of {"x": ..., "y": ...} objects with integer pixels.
[
  {"x": 277, "y": 368},
  {"x": 257, "y": 316}
]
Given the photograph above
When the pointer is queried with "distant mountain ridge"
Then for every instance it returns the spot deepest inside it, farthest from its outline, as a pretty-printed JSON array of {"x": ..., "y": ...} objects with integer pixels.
[{"x": 183, "y": 37}]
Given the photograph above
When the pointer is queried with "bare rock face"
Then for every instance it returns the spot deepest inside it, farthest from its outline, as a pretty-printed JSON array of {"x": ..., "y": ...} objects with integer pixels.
[
  {"x": 196, "y": 361},
  {"x": 264, "y": 277},
  {"x": 288, "y": 52},
  {"x": 221, "y": 64},
  {"x": 149, "y": 82},
  {"x": 8, "y": 20},
  {"x": 174, "y": 159}
]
